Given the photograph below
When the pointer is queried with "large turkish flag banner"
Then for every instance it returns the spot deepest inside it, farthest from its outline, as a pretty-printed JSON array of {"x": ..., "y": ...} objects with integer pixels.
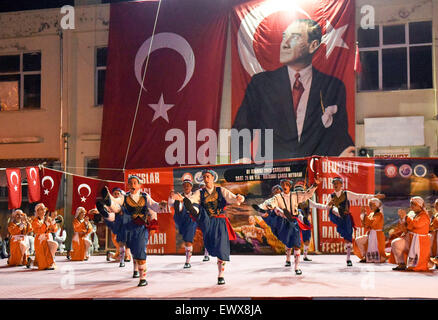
[{"x": 183, "y": 56}]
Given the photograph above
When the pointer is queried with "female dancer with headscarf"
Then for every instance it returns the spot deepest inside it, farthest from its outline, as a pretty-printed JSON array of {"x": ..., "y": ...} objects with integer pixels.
[
  {"x": 19, "y": 228},
  {"x": 412, "y": 251},
  {"x": 371, "y": 247},
  {"x": 82, "y": 228}
]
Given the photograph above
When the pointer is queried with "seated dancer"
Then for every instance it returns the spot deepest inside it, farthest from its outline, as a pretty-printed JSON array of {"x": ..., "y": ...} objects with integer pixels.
[
  {"x": 433, "y": 230},
  {"x": 339, "y": 212},
  {"x": 207, "y": 206},
  {"x": 115, "y": 221},
  {"x": 139, "y": 217},
  {"x": 18, "y": 229},
  {"x": 371, "y": 247},
  {"x": 185, "y": 224},
  {"x": 43, "y": 226},
  {"x": 81, "y": 228},
  {"x": 281, "y": 213},
  {"x": 412, "y": 250}
]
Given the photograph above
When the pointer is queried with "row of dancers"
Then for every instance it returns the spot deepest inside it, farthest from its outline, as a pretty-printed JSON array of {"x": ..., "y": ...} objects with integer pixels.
[{"x": 132, "y": 217}]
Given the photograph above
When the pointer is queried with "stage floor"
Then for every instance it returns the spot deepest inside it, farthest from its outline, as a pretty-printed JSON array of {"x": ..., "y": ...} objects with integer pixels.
[{"x": 326, "y": 277}]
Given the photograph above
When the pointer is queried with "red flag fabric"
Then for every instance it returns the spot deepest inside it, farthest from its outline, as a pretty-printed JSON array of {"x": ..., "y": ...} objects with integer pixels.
[
  {"x": 185, "y": 64},
  {"x": 33, "y": 184},
  {"x": 50, "y": 183},
  {"x": 14, "y": 188},
  {"x": 84, "y": 193},
  {"x": 261, "y": 82}
]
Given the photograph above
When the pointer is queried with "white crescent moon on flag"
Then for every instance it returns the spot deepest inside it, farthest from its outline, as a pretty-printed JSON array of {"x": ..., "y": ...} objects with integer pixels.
[
  {"x": 30, "y": 173},
  {"x": 249, "y": 25},
  {"x": 86, "y": 186},
  {"x": 311, "y": 164},
  {"x": 161, "y": 41},
  {"x": 14, "y": 173},
  {"x": 50, "y": 179}
]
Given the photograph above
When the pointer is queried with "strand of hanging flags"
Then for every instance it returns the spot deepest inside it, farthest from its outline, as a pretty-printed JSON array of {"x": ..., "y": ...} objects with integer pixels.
[{"x": 43, "y": 186}]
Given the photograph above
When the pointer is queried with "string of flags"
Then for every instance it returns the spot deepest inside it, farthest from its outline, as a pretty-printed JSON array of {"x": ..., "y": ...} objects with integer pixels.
[{"x": 43, "y": 186}]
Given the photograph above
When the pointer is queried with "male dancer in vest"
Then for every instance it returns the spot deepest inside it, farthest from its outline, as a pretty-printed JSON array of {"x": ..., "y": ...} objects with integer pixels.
[
  {"x": 140, "y": 212},
  {"x": 207, "y": 206},
  {"x": 339, "y": 212},
  {"x": 281, "y": 213}
]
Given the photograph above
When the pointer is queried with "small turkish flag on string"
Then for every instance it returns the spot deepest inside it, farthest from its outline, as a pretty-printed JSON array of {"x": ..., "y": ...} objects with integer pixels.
[
  {"x": 33, "y": 184},
  {"x": 14, "y": 188},
  {"x": 84, "y": 193},
  {"x": 50, "y": 182}
]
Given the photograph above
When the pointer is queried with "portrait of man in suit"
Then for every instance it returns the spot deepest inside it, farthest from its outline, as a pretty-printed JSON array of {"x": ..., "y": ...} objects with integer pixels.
[{"x": 305, "y": 108}]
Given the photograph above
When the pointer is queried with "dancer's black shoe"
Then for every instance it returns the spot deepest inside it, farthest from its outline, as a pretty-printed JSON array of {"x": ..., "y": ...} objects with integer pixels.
[{"x": 220, "y": 280}]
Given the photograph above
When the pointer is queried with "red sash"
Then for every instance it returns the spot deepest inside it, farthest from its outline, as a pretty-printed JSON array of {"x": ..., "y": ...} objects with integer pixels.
[
  {"x": 302, "y": 225},
  {"x": 231, "y": 233}
]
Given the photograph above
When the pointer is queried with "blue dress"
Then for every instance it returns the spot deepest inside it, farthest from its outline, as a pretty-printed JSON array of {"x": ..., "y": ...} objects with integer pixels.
[
  {"x": 305, "y": 211},
  {"x": 344, "y": 223},
  {"x": 288, "y": 232},
  {"x": 184, "y": 223},
  {"x": 133, "y": 226},
  {"x": 214, "y": 225}
]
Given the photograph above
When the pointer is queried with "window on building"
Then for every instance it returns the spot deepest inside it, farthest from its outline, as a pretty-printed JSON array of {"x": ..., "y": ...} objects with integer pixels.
[
  {"x": 20, "y": 81},
  {"x": 101, "y": 56},
  {"x": 396, "y": 57},
  {"x": 92, "y": 167}
]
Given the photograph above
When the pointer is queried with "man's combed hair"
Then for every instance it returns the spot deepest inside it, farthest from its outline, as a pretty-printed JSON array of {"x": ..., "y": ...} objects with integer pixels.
[{"x": 314, "y": 30}]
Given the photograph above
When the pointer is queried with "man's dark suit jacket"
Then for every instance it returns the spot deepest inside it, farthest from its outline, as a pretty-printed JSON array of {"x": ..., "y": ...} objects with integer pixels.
[{"x": 268, "y": 105}]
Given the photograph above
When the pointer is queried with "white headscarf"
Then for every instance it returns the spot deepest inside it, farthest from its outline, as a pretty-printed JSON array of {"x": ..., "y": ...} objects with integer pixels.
[
  {"x": 376, "y": 202},
  {"x": 78, "y": 210},
  {"x": 15, "y": 212},
  {"x": 39, "y": 205},
  {"x": 418, "y": 201}
]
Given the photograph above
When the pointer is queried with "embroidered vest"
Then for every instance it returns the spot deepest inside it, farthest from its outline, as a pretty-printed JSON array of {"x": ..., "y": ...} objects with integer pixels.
[
  {"x": 213, "y": 203},
  {"x": 136, "y": 209},
  {"x": 341, "y": 203}
]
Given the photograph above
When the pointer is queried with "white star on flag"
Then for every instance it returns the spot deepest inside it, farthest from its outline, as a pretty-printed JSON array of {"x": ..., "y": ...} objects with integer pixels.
[
  {"x": 333, "y": 38},
  {"x": 15, "y": 188},
  {"x": 46, "y": 191},
  {"x": 83, "y": 199},
  {"x": 161, "y": 109},
  {"x": 34, "y": 182}
]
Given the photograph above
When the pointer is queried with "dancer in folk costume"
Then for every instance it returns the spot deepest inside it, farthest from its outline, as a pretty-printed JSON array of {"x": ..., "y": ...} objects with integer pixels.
[
  {"x": 116, "y": 226},
  {"x": 412, "y": 251},
  {"x": 339, "y": 212},
  {"x": 43, "y": 226},
  {"x": 281, "y": 213},
  {"x": 207, "y": 206},
  {"x": 433, "y": 230},
  {"x": 185, "y": 223},
  {"x": 19, "y": 227},
  {"x": 305, "y": 209},
  {"x": 371, "y": 247},
  {"x": 80, "y": 243},
  {"x": 139, "y": 212}
]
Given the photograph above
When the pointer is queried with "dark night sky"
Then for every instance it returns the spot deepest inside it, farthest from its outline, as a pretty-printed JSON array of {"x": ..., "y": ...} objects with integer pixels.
[{"x": 19, "y": 5}]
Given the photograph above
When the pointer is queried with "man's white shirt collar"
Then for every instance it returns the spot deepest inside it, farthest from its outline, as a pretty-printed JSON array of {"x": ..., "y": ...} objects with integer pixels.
[{"x": 305, "y": 76}]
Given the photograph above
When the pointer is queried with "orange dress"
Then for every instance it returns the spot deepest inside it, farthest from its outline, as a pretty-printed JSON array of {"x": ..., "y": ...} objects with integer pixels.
[
  {"x": 373, "y": 221},
  {"x": 43, "y": 233},
  {"x": 116, "y": 255},
  {"x": 81, "y": 230},
  {"x": 420, "y": 225},
  {"x": 433, "y": 228},
  {"x": 17, "y": 236}
]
